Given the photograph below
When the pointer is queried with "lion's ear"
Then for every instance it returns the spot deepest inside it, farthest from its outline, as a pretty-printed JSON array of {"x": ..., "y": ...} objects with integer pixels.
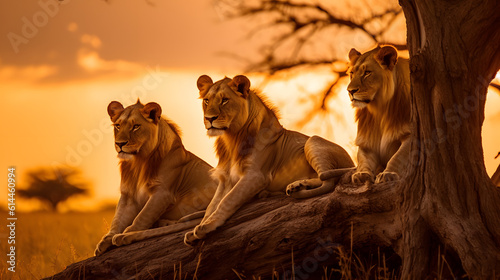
[
  {"x": 240, "y": 84},
  {"x": 387, "y": 57},
  {"x": 114, "y": 109},
  {"x": 203, "y": 83},
  {"x": 152, "y": 112},
  {"x": 353, "y": 55}
]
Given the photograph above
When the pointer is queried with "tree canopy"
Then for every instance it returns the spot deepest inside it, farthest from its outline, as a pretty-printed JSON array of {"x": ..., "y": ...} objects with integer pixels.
[{"x": 53, "y": 186}]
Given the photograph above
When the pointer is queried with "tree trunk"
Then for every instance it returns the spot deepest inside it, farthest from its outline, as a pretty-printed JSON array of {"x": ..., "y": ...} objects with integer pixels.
[
  {"x": 496, "y": 177},
  {"x": 261, "y": 239},
  {"x": 448, "y": 200}
]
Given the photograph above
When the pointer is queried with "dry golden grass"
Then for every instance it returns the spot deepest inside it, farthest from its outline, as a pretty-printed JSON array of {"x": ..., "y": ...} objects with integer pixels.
[{"x": 47, "y": 242}]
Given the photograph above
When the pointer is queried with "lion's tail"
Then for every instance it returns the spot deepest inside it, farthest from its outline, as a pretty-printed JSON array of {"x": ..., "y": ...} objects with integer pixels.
[{"x": 334, "y": 173}]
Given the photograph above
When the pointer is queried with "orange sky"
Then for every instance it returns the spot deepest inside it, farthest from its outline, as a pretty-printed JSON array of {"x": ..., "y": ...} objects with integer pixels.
[{"x": 56, "y": 83}]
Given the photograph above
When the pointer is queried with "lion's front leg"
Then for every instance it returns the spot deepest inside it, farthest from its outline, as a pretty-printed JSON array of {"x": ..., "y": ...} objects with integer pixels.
[
  {"x": 247, "y": 187},
  {"x": 395, "y": 165},
  {"x": 367, "y": 164},
  {"x": 154, "y": 208},
  {"x": 156, "y": 205},
  {"x": 222, "y": 189},
  {"x": 126, "y": 211}
]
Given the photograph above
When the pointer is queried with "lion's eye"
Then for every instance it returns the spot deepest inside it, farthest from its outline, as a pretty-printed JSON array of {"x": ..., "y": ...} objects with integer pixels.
[
  {"x": 367, "y": 73},
  {"x": 117, "y": 126},
  {"x": 224, "y": 101},
  {"x": 136, "y": 127},
  {"x": 205, "y": 101}
]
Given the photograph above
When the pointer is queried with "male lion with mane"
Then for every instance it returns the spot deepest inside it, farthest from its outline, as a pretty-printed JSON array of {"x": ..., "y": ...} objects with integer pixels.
[
  {"x": 380, "y": 92},
  {"x": 256, "y": 154},
  {"x": 161, "y": 182}
]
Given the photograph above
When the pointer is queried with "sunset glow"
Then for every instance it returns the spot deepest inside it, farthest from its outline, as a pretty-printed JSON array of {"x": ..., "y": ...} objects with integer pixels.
[{"x": 55, "y": 89}]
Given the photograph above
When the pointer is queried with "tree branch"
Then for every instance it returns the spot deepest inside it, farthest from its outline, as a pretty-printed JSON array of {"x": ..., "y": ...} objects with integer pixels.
[
  {"x": 301, "y": 16},
  {"x": 496, "y": 86}
]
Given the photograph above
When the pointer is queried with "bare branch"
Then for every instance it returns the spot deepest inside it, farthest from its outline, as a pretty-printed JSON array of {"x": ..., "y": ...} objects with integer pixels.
[
  {"x": 304, "y": 20},
  {"x": 295, "y": 26},
  {"x": 330, "y": 89},
  {"x": 496, "y": 86}
]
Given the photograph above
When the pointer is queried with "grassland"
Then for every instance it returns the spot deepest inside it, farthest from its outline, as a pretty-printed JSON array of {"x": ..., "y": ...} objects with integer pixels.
[{"x": 47, "y": 242}]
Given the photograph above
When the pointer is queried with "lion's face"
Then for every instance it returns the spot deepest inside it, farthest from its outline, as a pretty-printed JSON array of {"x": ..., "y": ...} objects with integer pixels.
[
  {"x": 372, "y": 80},
  {"x": 135, "y": 128},
  {"x": 225, "y": 106}
]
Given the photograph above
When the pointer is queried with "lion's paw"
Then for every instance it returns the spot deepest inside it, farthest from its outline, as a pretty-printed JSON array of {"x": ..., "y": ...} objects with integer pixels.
[
  {"x": 296, "y": 187},
  {"x": 122, "y": 239},
  {"x": 360, "y": 178},
  {"x": 190, "y": 239},
  {"x": 103, "y": 245},
  {"x": 199, "y": 232},
  {"x": 386, "y": 176}
]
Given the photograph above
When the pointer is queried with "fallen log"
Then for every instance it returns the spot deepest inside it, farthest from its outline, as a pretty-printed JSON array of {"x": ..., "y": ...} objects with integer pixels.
[{"x": 263, "y": 238}]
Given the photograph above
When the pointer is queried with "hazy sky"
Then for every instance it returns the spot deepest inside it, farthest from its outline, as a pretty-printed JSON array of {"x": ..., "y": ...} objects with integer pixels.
[
  {"x": 61, "y": 65},
  {"x": 171, "y": 34}
]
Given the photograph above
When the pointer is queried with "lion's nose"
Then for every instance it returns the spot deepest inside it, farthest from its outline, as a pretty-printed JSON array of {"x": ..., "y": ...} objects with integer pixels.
[
  {"x": 353, "y": 91},
  {"x": 211, "y": 119},
  {"x": 121, "y": 144}
]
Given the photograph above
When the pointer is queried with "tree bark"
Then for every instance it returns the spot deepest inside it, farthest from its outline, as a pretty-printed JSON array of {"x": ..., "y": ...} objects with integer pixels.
[
  {"x": 448, "y": 200},
  {"x": 261, "y": 239},
  {"x": 496, "y": 177}
]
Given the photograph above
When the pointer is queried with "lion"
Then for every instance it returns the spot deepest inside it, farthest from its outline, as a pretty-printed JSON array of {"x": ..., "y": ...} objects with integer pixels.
[
  {"x": 257, "y": 156},
  {"x": 380, "y": 93},
  {"x": 161, "y": 182}
]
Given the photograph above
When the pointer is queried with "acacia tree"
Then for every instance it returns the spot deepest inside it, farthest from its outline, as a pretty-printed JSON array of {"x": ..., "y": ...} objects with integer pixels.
[
  {"x": 53, "y": 185},
  {"x": 445, "y": 207}
]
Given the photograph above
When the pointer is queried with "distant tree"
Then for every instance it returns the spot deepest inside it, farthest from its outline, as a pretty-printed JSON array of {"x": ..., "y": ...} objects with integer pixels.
[{"x": 53, "y": 185}]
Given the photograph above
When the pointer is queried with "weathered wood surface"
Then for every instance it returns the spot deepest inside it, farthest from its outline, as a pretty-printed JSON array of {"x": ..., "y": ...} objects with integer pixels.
[{"x": 259, "y": 239}]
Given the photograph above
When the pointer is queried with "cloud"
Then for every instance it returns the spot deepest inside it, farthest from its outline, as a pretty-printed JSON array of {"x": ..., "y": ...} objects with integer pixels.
[
  {"x": 31, "y": 73},
  {"x": 91, "y": 61},
  {"x": 72, "y": 27},
  {"x": 91, "y": 40}
]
